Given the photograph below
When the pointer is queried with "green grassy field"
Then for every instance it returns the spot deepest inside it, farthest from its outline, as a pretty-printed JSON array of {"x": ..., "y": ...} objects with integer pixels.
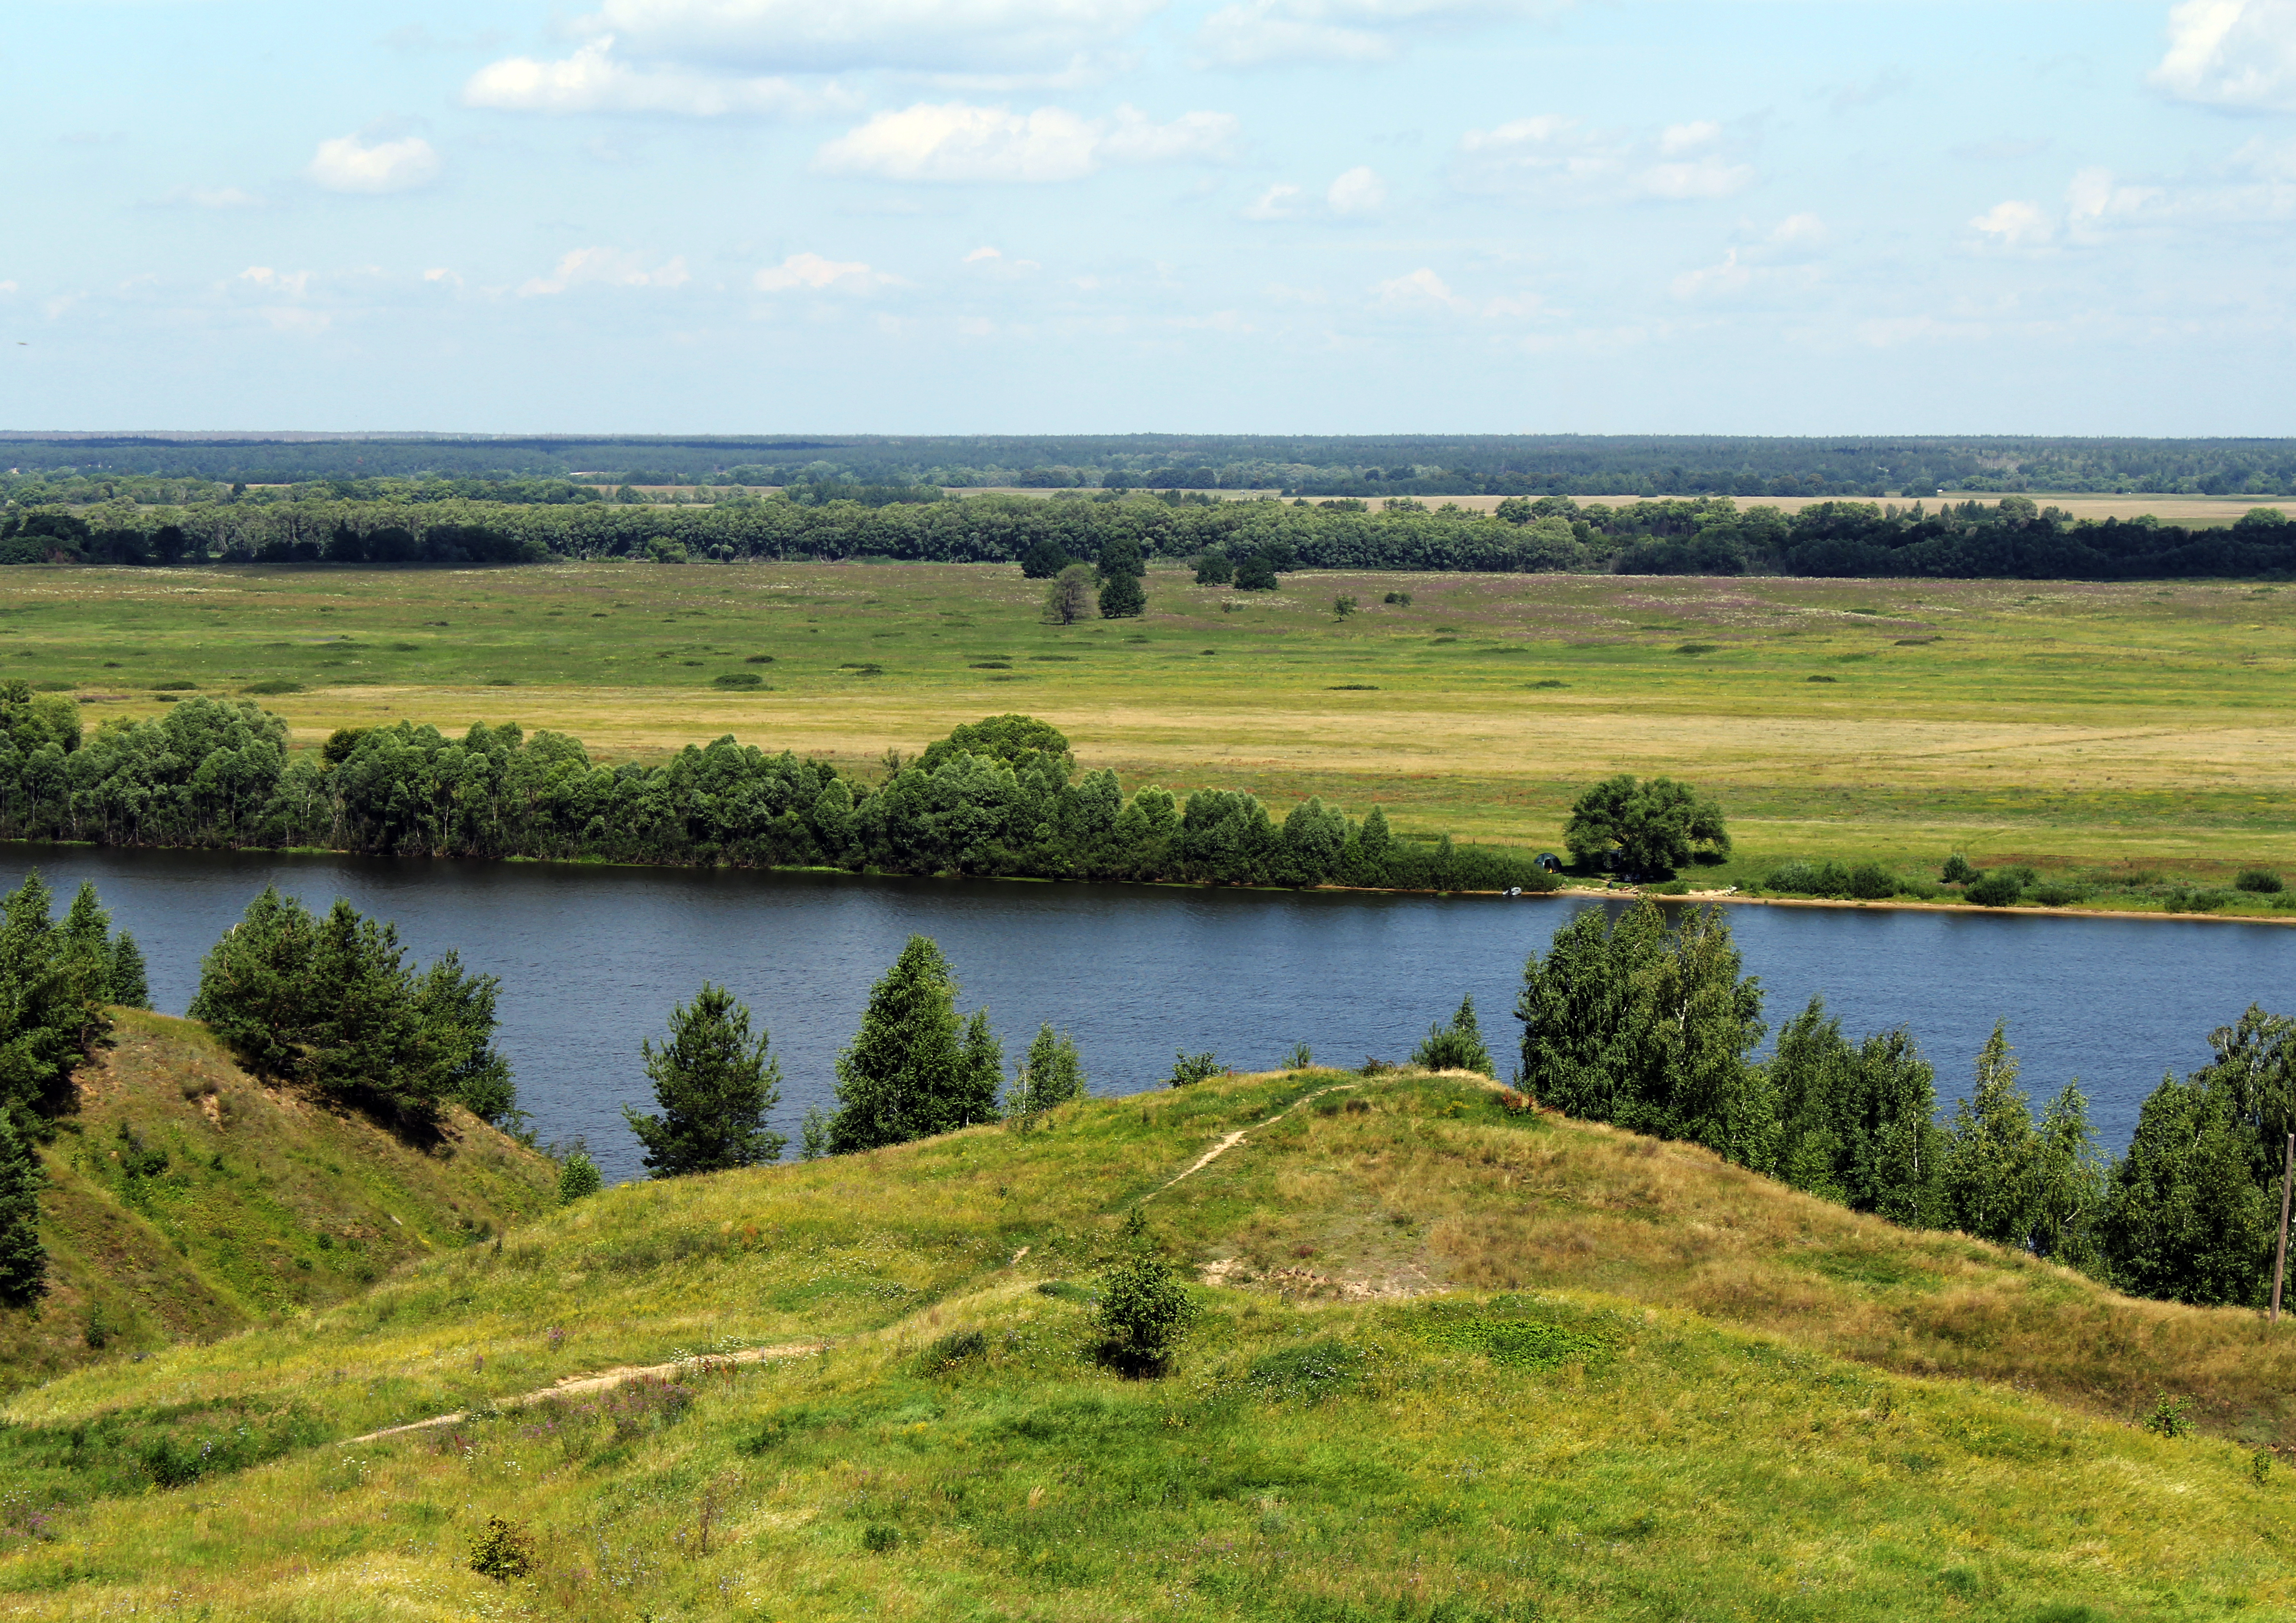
[
  {"x": 186, "y": 1201},
  {"x": 2117, "y": 727},
  {"x": 1458, "y": 1365}
]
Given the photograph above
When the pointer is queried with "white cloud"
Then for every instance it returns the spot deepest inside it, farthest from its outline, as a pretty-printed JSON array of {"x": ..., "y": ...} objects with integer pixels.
[
  {"x": 957, "y": 142},
  {"x": 592, "y": 80},
  {"x": 978, "y": 254},
  {"x": 1728, "y": 276},
  {"x": 1360, "y": 191},
  {"x": 821, "y": 37},
  {"x": 10, "y": 289},
  {"x": 2094, "y": 198},
  {"x": 1800, "y": 230},
  {"x": 1278, "y": 203},
  {"x": 605, "y": 267},
  {"x": 1254, "y": 33},
  {"x": 348, "y": 164},
  {"x": 1419, "y": 289},
  {"x": 293, "y": 285},
  {"x": 820, "y": 275},
  {"x": 2014, "y": 224},
  {"x": 2233, "y": 53},
  {"x": 1560, "y": 159}
]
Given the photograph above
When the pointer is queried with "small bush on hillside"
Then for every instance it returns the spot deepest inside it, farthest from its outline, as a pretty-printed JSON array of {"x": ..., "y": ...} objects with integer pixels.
[
  {"x": 1956, "y": 871},
  {"x": 1999, "y": 888},
  {"x": 2169, "y": 1417},
  {"x": 577, "y": 1178},
  {"x": 2056, "y": 894},
  {"x": 1401, "y": 599},
  {"x": 1143, "y": 1312},
  {"x": 1457, "y": 1046},
  {"x": 2178, "y": 898},
  {"x": 1188, "y": 1068},
  {"x": 879, "y": 1539},
  {"x": 502, "y": 1551},
  {"x": 957, "y": 1348},
  {"x": 1300, "y": 1058},
  {"x": 2259, "y": 882},
  {"x": 1809, "y": 878}
]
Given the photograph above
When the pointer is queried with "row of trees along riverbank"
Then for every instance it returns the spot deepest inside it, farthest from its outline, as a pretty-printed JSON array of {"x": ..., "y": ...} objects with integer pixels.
[
  {"x": 998, "y": 796},
  {"x": 1698, "y": 535}
]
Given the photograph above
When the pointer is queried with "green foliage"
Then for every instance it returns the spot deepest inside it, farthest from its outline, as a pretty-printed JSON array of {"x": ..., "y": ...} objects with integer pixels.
[
  {"x": 1956, "y": 871},
  {"x": 331, "y": 1004},
  {"x": 2038, "y": 1187},
  {"x": 1069, "y": 598},
  {"x": 1050, "y": 1076},
  {"x": 2259, "y": 1467},
  {"x": 1308, "y": 1372},
  {"x": 23, "y": 1264},
  {"x": 2186, "y": 1219},
  {"x": 578, "y": 1178},
  {"x": 1189, "y": 1068},
  {"x": 951, "y": 1351},
  {"x": 1214, "y": 568},
  {"x": 880, "y": 1538},
  {"x": 1122, "y": 597},
  {"x": 1143, "y": 1312},
  {"x": 1650, "y": 827},
  {"x": 56, "y": 981},
  {"x": 2170, "y": 1417},
  {"x": 2259, "y": 882},
  {"x": 1342, "y": 607},
  {"x": 1457, "y": 1046},
  {"x": 1998, "y": 889},
  {"x": 1870, "y": 881},
  {"x": 1650, "y": 1027},
  {"x": 1401, "y": 599},
  {"x": 911, "y": 1070},
  {"x": 1517, "y": 1343},
  {"x": 502, "y": 1551},
  {"x": 1858, "y": 1125},
  {"x": 1256, "y": 571},
  {"x": 1300, "y": 1058},
  {"x": 715, "y": 1084},
  {"x": 1042, "y": 559}
]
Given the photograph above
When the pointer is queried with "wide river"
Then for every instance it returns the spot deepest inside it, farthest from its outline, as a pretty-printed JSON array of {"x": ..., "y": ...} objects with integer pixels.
[{"x": 592, "y": 959}]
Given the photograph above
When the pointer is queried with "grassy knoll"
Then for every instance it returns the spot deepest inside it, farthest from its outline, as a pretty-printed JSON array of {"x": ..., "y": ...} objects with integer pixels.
[
  {"x": 2072, "y": 725},
  {"x": 1462, "y": 1364},
  {"x": 187, "y": 1200}
]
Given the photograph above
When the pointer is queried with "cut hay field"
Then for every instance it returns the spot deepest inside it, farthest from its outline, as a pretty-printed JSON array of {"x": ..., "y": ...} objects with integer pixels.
[
  {"x": 1453, "y": 1366},
  {"x": 2101, "y": 725}
]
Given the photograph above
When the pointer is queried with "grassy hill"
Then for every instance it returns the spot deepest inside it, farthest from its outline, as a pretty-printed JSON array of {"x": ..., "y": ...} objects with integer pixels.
[
  {"x": 186, "y": 1199},
  {"x": 1456, "y": 1364}
]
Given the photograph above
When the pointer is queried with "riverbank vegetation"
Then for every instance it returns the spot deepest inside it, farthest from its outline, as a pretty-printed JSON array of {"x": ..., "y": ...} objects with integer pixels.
[
  {"x": 1508, "y": 1363},
  {"x": 995, "y": 797},
  {"x": 2099, "y": 730}
]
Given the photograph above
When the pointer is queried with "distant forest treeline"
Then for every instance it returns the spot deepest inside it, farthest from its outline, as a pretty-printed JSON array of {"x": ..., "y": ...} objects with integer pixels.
[
  {"x": 1546, "y": 465},
  {"x": 1695, "y": 536},
  {"x": 999, "y": 797}
]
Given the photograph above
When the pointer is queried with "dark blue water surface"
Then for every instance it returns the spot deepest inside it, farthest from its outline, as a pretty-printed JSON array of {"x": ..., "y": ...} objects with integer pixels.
[{"x": 593, "y": 958}]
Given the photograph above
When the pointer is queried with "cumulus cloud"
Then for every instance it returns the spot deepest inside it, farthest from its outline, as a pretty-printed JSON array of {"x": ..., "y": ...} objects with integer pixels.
[
  {"x": 2096, "y": 198},
  {"x": 2014, "y": 223},
  {"x": 814, "y": 273},
  {"x": 1255, "y": 33},
  {"x": 593, "y": 80},
  {"x": 928, "y": 36},
  {"x": 1278, "y": 203},
  {"x": 349, "y": 163},
  {"x": 954, "y": 141},
  {"x": 1360, "y": 191},
  {"x": 294, "y": 284},
  {"x": 1560, "y": 159},
  {"x": 605, "y": 267},
  {"x": 1419, "y": 289},
  {"x": 2232, "y": 53}
]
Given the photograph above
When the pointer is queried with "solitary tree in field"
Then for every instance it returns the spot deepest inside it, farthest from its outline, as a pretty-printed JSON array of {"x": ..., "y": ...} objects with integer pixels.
[
  {"x": 914, "y": 1070},
  {"x": 1069, "y": 599},
  {"x": 1122, "y": 598},
  {"x": 715, "y": 1084},
  {"x": 1457, "y": 1046},
  {"x": 1053, "y": 1074},
  {"x": 1652, "y": 826}
]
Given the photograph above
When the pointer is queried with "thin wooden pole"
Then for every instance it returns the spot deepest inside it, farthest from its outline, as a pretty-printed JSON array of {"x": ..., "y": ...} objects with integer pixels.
[{"x": 2280, "y": 1256}]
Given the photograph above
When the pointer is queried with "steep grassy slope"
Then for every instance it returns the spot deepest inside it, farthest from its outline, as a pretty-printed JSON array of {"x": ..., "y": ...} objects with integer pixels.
[
  {"x": 1463, "y": 1364},
  {"x": 187, "y": 1200}
]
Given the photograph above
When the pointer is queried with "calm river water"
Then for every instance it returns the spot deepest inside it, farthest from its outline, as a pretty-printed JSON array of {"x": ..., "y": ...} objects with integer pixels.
[{"x": 592, "y": 959}]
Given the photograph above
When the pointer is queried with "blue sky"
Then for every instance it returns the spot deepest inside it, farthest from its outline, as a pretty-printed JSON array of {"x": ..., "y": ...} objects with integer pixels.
[{"x": 1050, "y": 216}]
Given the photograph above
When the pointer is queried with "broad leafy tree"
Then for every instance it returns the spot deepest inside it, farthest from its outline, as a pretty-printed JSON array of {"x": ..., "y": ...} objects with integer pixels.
[
  {"x": 1651, "y": 827},
  {"x": 1050, "y": 1075},
  {"x": 714, "y": 1083},
  {"x": 1069, "y": 598}
]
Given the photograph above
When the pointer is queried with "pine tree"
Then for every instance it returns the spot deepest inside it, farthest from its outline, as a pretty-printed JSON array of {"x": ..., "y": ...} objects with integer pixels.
[
  {"x": 23, "y": 1265},
  {"x": 912, "y": 1069},
  {"x": 130, "y": 989},
  {"x": 715, "y": 1084},
  {"x": 1457, "y": 1046}
]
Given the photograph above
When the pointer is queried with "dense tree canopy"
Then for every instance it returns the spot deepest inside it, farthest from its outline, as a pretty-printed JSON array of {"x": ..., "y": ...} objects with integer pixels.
[
  {"x": 715, "y": 1084},
  {"x": 1644, "y": 827}
]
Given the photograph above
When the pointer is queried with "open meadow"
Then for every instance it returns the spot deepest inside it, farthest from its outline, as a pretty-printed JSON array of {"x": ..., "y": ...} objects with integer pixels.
[{"x": 2101, "y": 726}]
